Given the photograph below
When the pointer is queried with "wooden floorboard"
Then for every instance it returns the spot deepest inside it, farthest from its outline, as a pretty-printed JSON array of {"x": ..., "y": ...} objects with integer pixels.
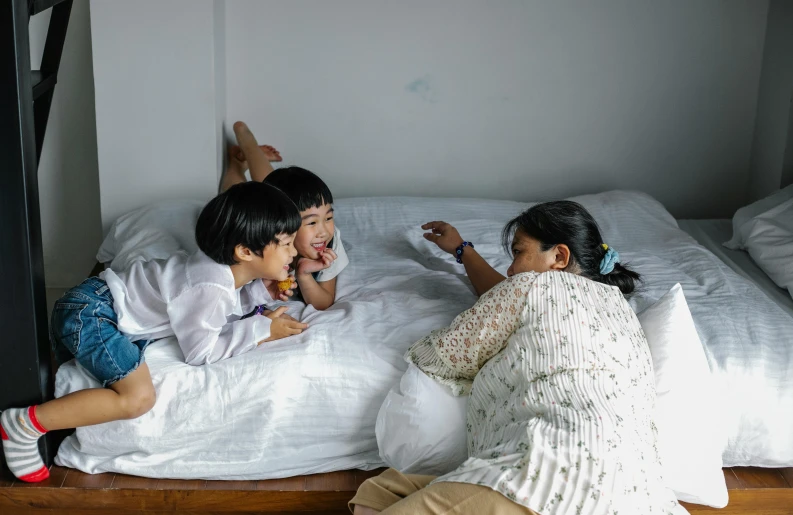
[
  {"x": 180, "y": 484},
  {"x": 123, "y": 481},
  {"x": 757, "y": 501},
  {"x": 788, "y": 475},
  {"x": 287, "y": 484},
  {"x": 343, "y": 481},
  {"x": 732, "y": 480},
  {"x": 70, "y": 492},
  {"x": 182, "y": 501},
  {"x": 56, "y": 479},
  {"x": 231, "y": 485},
  {"x": 751, "y": 477},
  {"x": 77, "y": 479}
]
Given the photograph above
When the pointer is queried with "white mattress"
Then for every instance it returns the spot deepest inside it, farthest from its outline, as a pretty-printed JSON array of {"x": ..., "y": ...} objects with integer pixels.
[
  {"x": 711, "y": 234},
  {"x": 308, "y": 404}
]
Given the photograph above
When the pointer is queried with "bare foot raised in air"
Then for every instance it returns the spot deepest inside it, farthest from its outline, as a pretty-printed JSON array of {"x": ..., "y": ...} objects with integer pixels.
[
  {"x": 270, "y": 152},
  {"x": 247, "y": 154},
  {"x": 250, "y": 154}
]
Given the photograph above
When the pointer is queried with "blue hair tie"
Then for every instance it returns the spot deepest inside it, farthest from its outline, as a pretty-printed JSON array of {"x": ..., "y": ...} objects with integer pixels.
[{"x": 611, "y": 258}]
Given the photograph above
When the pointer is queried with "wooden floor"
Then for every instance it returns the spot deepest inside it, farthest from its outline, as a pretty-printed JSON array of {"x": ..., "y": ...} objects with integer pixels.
[{"x": 69, "y": 492}]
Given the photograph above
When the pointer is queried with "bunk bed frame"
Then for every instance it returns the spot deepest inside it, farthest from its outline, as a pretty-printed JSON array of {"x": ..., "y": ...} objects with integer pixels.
[
  {"x": 26, "y": 373},
  {"x": 25, "y": 100}
]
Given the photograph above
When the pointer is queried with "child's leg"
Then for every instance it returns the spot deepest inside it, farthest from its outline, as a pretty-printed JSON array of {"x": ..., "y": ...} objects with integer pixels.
[
  {"x": 129, "y": 398},
  {"x": 257, "y": 160},
  {"x": 234, "y": 174},
  {"x": 84, "y": 325},
  {"x": 21, "y": 428}
]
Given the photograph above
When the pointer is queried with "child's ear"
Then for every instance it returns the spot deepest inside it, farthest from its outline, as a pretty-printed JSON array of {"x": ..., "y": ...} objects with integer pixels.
[
  {"x": 242, "y": 253},
  {"x": 561, "y": 257}
]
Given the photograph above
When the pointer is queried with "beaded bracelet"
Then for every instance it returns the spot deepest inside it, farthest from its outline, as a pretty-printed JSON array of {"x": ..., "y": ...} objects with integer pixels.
[
  {"x": 258, "y": 311},
  {"x": 459, "y": 251}
]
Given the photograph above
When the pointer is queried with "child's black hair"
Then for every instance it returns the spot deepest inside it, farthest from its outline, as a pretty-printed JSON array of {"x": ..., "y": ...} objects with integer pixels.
[
  {"x": 251, "y": 214},
  {"x": 302, "y": 186},
  {"x": 567, "y": 222}
]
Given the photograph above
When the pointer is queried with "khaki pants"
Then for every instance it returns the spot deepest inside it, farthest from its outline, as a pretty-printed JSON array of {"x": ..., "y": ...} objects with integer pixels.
[{"x": 395, "y": 493}]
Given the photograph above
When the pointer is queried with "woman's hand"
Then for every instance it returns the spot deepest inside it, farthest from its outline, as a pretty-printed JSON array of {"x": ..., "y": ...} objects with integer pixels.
[{"x": 443, "y": 235}]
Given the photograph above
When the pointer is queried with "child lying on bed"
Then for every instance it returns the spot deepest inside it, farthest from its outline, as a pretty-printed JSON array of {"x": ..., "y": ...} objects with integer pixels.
[
  {"x": 245, "y": 235},
  {"x": 321, "y": 255}
]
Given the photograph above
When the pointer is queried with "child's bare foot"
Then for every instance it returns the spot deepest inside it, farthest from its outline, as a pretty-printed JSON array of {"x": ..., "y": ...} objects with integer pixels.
[
  {"x": 270, "y": 152},
  {"x": 258, "y": 158}
]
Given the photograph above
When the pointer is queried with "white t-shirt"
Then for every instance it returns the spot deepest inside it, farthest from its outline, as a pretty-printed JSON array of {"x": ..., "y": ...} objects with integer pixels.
[
  {"x": 339, "y": 264},
  {"x": 193, "y": 298}
]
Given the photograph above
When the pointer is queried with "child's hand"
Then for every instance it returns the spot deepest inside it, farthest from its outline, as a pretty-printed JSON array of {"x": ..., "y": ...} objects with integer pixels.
[
  {"x": 268, "y": 312},
  {"x": 275, "y": 293},
  {"x": 443, "y": 235},
  {"x": 308, "y": 266},
  {"x": 283, "y": 326}
]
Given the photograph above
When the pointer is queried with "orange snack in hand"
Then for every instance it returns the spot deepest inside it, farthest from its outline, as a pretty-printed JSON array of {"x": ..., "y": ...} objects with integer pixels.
[{"x": 285, "y": 285}]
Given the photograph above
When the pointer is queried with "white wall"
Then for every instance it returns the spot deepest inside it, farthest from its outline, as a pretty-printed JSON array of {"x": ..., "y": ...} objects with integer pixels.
[
  {"x": 512, "y": 99},
  {"x": 774, "y": 112},
  {"x": 156, "y": 113},
  {"x": 68, "y": 176}
]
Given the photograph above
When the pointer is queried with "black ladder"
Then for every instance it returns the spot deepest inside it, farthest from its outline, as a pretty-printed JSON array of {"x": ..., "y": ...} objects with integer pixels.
[{"x": 25, "y": 100}]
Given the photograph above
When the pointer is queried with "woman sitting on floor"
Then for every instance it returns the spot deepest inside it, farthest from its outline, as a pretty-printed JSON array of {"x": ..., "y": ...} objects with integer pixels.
[{"x": 560, "y": 377}]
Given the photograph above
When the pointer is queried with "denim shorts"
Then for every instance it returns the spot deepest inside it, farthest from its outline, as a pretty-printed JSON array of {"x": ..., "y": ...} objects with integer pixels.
[{"x": 85, "y": 326}]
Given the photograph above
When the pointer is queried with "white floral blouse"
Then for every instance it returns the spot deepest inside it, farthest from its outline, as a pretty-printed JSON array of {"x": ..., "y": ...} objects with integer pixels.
[{"x": 562, "y": 394}]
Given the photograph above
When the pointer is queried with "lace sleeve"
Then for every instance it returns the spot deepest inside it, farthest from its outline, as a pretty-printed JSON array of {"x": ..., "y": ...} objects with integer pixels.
[{"x": 453, "y": 356}]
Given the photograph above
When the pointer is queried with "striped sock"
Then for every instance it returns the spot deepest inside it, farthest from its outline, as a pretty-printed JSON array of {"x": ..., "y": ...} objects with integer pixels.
[{"x": 20, "y": 432}]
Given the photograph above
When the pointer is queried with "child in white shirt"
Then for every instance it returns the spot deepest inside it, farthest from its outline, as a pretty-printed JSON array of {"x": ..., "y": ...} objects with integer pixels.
[{"x": 245, "y": 236}]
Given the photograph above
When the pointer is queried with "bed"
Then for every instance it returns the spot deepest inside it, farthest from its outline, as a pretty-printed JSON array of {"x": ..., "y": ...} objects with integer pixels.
[
  {"x": 711, "y": 234},
  {"x": 308, "y": 404}
]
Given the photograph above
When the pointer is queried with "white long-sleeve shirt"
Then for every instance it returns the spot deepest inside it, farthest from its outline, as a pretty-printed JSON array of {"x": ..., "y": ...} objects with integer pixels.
[{"x": 193, "y": 298}]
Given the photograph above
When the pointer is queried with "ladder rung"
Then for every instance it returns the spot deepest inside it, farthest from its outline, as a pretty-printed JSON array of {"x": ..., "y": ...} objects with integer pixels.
[
  {"x": 36, "y": 6},
  {"x": 42, "y": 82}
]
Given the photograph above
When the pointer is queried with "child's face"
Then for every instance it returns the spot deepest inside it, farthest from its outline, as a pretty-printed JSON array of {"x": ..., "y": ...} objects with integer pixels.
[
  {"x": 315, "y": 233},
  {"x": 276, "y": 258}
]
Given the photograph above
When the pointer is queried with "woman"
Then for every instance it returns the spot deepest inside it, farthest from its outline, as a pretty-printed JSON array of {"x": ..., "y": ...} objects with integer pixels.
[{"x": 561, "y": 383}]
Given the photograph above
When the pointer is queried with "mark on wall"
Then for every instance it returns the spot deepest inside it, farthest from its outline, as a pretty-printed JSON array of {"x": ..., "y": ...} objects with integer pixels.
[{"x": 424, "y": 88}]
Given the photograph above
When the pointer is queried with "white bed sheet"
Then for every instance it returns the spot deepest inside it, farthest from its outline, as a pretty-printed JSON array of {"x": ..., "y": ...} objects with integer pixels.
[
  {"x": 308, "y": 404},
  {"x": 712, "y": 234}
]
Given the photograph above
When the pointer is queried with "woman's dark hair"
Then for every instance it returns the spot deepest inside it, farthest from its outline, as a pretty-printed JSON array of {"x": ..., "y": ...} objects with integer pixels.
[
  {"x": 251, "y": 214},
  {"x": 554, "y": 223},
  {"x": 302, "y": 186}
]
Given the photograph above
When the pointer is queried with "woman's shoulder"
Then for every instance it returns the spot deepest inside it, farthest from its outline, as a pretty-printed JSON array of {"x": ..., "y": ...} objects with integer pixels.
[
  {"x": 517, "y": 285},
  {"x": 573, "y": 280}
]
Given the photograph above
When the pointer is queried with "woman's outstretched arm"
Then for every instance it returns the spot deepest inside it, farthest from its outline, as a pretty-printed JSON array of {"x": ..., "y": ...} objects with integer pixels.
[{"x": 482, "y": 275}]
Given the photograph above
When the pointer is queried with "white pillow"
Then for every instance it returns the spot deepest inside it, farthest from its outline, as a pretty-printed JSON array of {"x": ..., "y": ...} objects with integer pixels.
[
  {"x": 156, "y": 231},
  {"x": 421, "y": 426},
  {"x": 745, "y": 214},
  {"x": 768, "y": 238},
  {"x": 690, "y": 435}
]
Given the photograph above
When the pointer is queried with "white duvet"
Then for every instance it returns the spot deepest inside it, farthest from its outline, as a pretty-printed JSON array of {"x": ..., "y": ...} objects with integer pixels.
[{"x": 308, "y": 404}]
